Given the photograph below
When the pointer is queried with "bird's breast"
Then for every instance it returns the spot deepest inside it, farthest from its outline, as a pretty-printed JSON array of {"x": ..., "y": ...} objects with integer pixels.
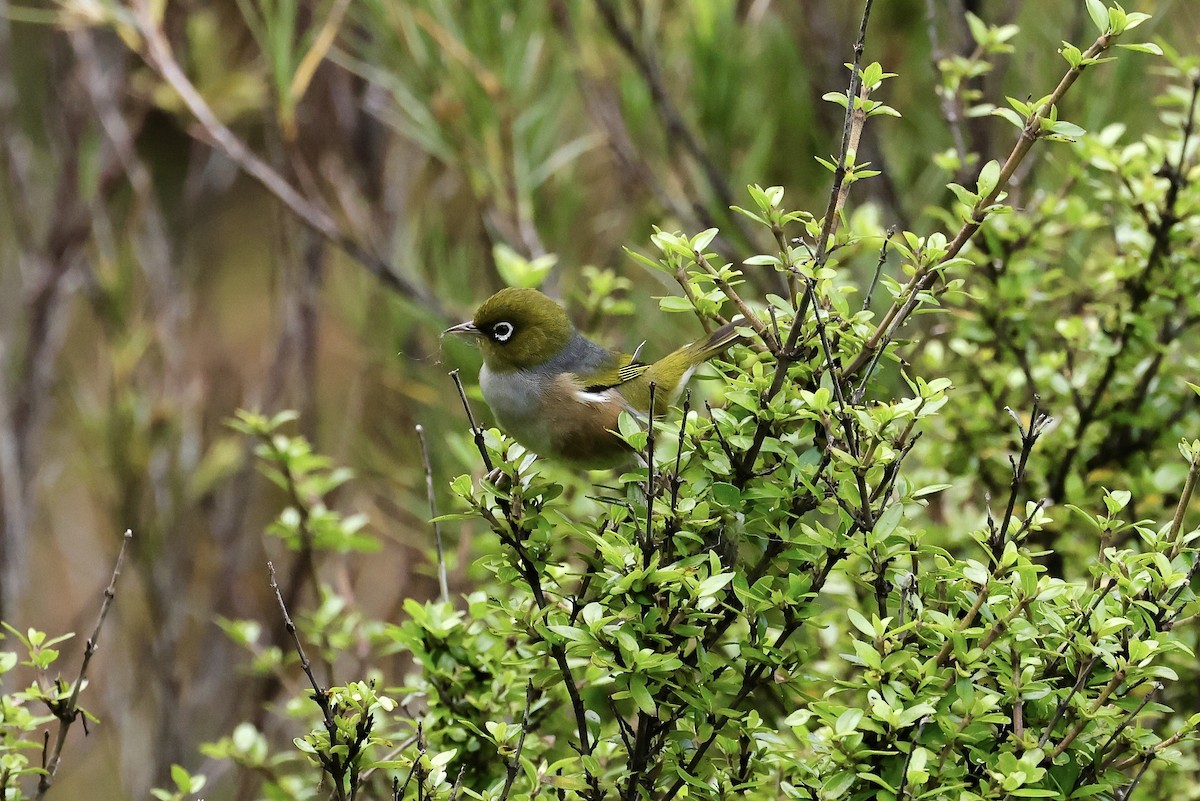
[{"x": 553, "y": 415}]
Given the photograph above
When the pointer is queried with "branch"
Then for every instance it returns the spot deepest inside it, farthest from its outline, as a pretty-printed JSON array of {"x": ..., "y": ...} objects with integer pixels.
[
  {"x": 530, "y": 573},
  {"x": 1185, "y": 500},
  {"x": 1038, "y": 421},
  {"x": 334, "y": 766},
  {"x": 925, "y": 277},
  {"x": 787, "y": 355},
  {"x": 515, "y": 764},
  {"x": 443, "y": 584},
  {"x": 67, "y": 713}
]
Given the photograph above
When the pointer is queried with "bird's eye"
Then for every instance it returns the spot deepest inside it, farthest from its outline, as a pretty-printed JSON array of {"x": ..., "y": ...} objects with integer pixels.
[{"x": 502, "y": 332}]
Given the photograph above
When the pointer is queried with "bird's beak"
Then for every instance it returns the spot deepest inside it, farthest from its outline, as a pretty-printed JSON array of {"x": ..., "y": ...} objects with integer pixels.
[{"x": 467, "y": 328}]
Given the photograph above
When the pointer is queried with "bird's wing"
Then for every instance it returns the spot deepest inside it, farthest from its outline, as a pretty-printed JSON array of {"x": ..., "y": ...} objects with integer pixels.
[{"x": 626, "y": 369}]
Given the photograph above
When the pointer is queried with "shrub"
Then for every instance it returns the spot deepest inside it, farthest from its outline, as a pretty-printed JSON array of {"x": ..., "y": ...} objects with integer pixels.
[{"x": 799, "y": 594}]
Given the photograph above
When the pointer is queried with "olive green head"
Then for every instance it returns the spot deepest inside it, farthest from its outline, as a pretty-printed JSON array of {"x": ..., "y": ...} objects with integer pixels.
[{"x": 518, "y": 329}]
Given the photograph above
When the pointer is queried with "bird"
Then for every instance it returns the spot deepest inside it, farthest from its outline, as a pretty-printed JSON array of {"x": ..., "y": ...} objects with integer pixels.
[{"x": 558, "y": 393}]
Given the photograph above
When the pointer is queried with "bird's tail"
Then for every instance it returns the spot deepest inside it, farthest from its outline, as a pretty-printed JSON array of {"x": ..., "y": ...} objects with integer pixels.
[
  {"x": 717, "y": 341},
  {"x": 670, "y": 374}
]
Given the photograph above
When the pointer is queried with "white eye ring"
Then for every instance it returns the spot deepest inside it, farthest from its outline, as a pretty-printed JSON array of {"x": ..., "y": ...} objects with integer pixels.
[{"x": 502, "y": 332}]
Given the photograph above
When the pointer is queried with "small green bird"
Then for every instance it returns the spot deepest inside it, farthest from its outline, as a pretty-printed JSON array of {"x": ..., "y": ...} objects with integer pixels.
[{"x": 560, "y": 394}]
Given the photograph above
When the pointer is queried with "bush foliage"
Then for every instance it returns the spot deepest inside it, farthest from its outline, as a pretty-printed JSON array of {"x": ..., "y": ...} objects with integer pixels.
[{"x": 929, "y": 532}]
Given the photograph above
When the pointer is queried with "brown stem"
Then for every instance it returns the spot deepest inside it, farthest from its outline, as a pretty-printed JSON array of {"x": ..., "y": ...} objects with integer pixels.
[
  {"x": 443, "y": 584},
  {"x": 69, "y": 711},
  {"x": 899, "y": 311}
]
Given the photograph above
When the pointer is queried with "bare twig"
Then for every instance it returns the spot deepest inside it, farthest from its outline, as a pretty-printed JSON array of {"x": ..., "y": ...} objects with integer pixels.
[
  {"x": 443, "y": 584},
  {"x": 1128, "y": 791},
  {"x": 1185, "y": 500},
  {"x": 67, "y": 712},
  {"x": 852, "y": 126},
  {"x": 515, "y": 765},
  {"x": 883, "y": 254},
  {"x": 951, "y": 103},
  {"x": 337, "y": 766},
  {"x": 1038, "y": 420},
  {"x": 648, "y": 544},
  {"x": 787, "y": 354},
  {"x": 675, "y": 480},
  {"x": 476, "y": 431},
  {"x": 529, "y": 572},
  {"x": 751, "y": 319},
  {"x": 1084, "y": 672}
]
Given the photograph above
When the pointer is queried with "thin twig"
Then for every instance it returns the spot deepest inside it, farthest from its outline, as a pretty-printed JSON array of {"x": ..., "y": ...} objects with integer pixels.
[
  {"x": 1128, "y": 791},
  {"x": 883, "y": 254},
  {"x": 515, "y": 764},
  {"x": 787, "y": 354},
  {"x": 1038, "y": 420},
  {"x": 903, "y": 307},
  {"x": 68, "y": 712},
  {"x": 675, "y": 481},
  {"x": 851, "y": 129},
  {"x": 1063, "y": 705},
  {"x": 647, "y": 545},
  {"x": 950, "y": 101},
  {"x": 529, "y": 572},
  {"x": 750, "y": 318},
  {"x": 457, "y": 788},
  {"x": 1185, "y": 500},
  {"x": 476, "y": 431},
  {"x": 335, "y": 766},
  {"x": 443, "y": 584}
]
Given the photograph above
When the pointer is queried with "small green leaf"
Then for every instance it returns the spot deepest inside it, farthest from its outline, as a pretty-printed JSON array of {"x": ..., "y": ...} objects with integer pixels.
[
  {"x": 860, "y": 622},
  {"x": 641, "y": 696},
  {"x": 1099, "y": 15},
  {"x": 1010, "y": 115},
  {"x": 888, "y": 521},
  {"x": 1143, "y": 47},
  {"x": 181, "y": 777},
  {"x": 703, "y": 239},
  {"x": 713, "y": 584},
  {"x": 847, "y": 722}
]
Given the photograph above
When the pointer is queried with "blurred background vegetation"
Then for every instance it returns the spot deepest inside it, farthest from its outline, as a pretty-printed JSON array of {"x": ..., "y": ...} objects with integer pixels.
[{"x": 270, "y": 204}]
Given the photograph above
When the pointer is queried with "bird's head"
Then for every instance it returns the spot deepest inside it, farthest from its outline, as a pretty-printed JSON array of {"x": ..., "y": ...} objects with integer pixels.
[{"x": 518, "y": 329}]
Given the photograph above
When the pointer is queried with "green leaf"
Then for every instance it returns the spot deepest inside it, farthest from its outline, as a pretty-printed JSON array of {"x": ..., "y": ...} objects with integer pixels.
[
  {"x": 726, "y": 494},
  {"x": 641, "y": 696},
  {"x": 517, "y": 271},
  {"x": 1010, "y": 115},
  {"x": 888, "y": 521},
  {"x": 837, "y": 98},
  {"x": 989, "y": 177},
  {"x": 181, "y": 777},
  {"x": 860, "y": 622},
  {"x": 675, "y": 304},
  {"x": 703, "y": 239},
  {"x": 847, "y": 722},
  {"x": 646, "y": 261},
  {"x": 1099, "y": 15},
  {"x": 1143, "y": 47},
  {"x": 713, "y": 584},
  {"x": 1062, "y": 128}
]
